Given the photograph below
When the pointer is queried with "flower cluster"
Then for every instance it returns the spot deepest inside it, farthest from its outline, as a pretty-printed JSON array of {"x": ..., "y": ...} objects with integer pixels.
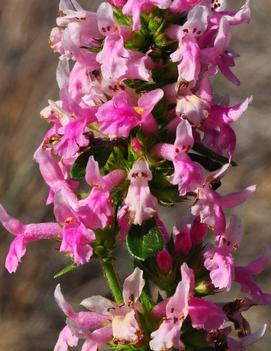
[{"x": 138, "y": 128}]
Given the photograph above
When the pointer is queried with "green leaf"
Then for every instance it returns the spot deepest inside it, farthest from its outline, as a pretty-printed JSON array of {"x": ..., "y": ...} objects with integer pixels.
[
  {"x": 144, "y": 241},
  {"x": 100, "y": 153},
  {"x": 65, "y": 270}
]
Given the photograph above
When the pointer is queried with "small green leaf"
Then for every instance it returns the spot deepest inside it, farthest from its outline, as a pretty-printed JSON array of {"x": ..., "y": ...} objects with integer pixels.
[
  {"x": 144, "y": 241},
  {"x": 65, "y": 270}
]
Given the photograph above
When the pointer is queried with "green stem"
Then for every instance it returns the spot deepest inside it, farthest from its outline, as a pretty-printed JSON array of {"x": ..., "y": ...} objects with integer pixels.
[{"x": 112, "y": 280}]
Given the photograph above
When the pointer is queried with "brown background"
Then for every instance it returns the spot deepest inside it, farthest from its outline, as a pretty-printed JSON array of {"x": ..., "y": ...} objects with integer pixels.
[{"x": 29, "y": 319}]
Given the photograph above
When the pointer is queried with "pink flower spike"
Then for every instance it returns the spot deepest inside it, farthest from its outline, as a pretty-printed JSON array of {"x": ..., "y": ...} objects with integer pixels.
[
  {"x": 24, "y": 234},
  {"x": 141, "y": 204}
]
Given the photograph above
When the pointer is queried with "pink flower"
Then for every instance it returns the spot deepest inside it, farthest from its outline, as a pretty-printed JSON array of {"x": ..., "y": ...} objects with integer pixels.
[
  {"x": 118, "y": 117},
  {"x": 244, "y": 275},
  {"x": 188, "y": 175},
  {"x": 209, "y": 206},
  {"x": 189, "y": 51},
  {"x": 178, "y": 307},
  {"x": 76, "y": 237},
  {"x": 24, "y": 234},
  {"x": 220, "y": 56},
  {"x": 219, "y": 260},
  {"x": 141, "y": 204},
  {"x": 219, "y": 136},
  {"x": 96, "y": 209}
]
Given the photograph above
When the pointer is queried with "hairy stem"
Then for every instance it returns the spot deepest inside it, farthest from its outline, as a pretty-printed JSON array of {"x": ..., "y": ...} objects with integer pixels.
[{"x": 112, "y": 280}]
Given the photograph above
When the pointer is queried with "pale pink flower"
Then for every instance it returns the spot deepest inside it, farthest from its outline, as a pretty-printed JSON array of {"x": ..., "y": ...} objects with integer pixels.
[
  {"x": 219, "y": 259},
  {"x": 124, "y": 321},
  {"x": 141, "y": 204}
]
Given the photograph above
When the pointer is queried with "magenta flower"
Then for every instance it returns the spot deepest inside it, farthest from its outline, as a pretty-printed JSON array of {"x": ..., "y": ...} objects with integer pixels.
[
  {"x": 96, "y": 209},
  {"x": 118, "y": 116},
  {"x": 24, "y": 234}
]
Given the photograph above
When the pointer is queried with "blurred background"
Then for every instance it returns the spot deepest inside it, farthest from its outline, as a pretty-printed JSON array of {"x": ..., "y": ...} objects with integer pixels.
[{"x": 29, "y": 318}]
